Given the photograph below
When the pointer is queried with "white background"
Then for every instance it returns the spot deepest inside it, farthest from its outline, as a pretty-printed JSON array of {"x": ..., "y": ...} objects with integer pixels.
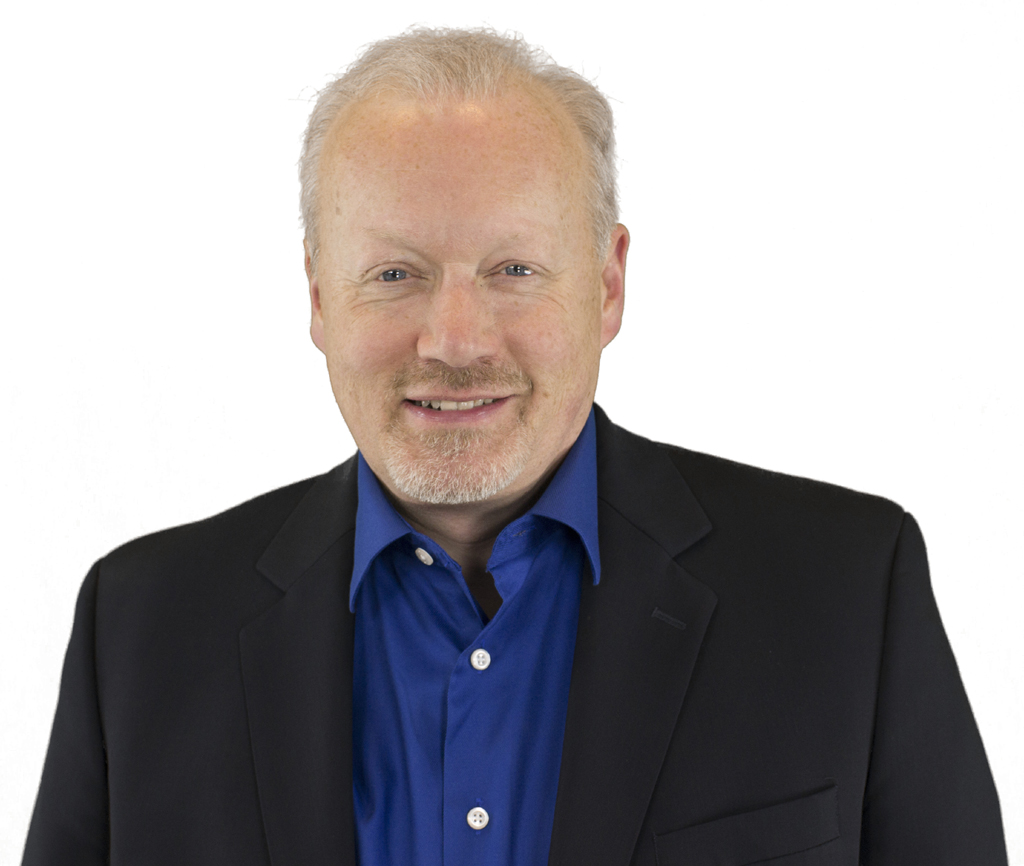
[{"x": 827, "y": 208}]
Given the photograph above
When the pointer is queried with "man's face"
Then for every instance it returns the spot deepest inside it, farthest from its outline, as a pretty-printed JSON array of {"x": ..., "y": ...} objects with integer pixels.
[{"x": 457, "y": 265}]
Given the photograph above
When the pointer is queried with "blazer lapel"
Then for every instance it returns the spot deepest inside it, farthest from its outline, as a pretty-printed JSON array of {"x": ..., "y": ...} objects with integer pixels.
[
  {"x": 638, "y": 637},
  {"x": 297, "y": 671}
]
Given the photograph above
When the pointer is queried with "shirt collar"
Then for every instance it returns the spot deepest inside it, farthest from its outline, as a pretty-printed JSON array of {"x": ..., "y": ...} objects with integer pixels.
[
  {"x": 377, "y": 526},
  {"x": 570, "y": 498}
]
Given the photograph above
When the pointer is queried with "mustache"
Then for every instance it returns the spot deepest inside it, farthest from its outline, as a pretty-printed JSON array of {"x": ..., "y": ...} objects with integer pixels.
[{"x": 484, "y": 375}]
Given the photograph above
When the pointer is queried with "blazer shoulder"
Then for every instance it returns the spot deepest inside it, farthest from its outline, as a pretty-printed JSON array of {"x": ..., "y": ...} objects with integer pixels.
[
  {"x": 729, "y": 490},
  {"x": 220, "y": 551},
  {"x": 662, "y": 487},
  {"x": 247, "y": 524}
]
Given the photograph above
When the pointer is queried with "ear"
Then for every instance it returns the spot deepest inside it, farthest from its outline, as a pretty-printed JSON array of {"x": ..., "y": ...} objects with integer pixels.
[
  {"x": 613, "y": 284},
  {"x": 316, "y": 322}
]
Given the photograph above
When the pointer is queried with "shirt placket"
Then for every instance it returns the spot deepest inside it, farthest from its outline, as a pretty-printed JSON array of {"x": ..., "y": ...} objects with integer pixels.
[{"x": 477, "y": 823}]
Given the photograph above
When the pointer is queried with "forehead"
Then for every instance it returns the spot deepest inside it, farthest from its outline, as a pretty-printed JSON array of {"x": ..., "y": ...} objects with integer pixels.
[
  {"x": 516, "y": 138},
  {"x": 389, "y": 126}
]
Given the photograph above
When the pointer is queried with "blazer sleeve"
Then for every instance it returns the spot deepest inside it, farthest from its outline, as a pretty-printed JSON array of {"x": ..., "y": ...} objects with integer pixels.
[
  {"x": 70, "y": 823},
  {"x": 930, "y": 798}
]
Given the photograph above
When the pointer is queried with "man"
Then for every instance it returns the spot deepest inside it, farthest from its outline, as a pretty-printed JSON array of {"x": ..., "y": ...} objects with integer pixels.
[{"x": 508, "y": 631}]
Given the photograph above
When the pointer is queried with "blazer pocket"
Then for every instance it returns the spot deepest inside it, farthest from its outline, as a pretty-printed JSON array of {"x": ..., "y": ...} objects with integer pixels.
[{"x": 753, "y": 837}]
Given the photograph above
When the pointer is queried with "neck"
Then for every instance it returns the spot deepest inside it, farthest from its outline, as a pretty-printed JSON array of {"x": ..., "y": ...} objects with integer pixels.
[{"x": 467, "y": 532}]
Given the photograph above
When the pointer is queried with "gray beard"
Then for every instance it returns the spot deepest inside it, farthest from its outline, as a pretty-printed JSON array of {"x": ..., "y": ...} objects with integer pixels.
[{"x": 439, "y": 469}]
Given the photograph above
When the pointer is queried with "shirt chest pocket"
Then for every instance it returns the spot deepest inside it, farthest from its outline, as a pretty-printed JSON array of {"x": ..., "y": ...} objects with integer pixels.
[{"x": 754, "y": 837}]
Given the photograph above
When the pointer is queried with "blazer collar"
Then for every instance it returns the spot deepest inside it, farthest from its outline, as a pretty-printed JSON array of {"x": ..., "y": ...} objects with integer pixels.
[
  {"x": 638, "y": 638},
  {"x": 637, "y": 478},
  {"x": 325, "y": 514}
]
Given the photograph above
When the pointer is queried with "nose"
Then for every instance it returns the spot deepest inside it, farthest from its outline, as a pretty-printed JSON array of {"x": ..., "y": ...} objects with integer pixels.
[{"x": 460, "y": 324}]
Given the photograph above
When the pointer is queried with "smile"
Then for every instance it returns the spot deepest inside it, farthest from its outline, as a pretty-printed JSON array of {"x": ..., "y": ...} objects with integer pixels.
[{"x": 451, "y": 405}]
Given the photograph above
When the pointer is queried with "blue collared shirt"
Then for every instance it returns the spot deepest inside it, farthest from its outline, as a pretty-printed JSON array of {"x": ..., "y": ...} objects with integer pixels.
[{"x": 447, "y": 738}]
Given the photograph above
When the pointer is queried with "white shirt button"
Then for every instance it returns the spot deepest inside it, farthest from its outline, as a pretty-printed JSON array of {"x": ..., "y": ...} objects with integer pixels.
[
  {"x": 477, "y": 818},
  {"x": 481, "y": 660},
  {"x": 423, "y": 556}
]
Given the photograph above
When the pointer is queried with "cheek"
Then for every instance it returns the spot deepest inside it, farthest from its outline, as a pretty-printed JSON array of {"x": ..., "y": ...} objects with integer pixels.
[
  {"x": 559, "y": 350},
  {"x": 365, "y": 343}
]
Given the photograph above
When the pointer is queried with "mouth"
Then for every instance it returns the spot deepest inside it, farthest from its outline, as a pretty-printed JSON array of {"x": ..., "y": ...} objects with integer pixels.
[{"x": 453, "y": 405}]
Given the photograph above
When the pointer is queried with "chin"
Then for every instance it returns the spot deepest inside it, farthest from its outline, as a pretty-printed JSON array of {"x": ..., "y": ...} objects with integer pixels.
[{"x": 456, "y": 467}]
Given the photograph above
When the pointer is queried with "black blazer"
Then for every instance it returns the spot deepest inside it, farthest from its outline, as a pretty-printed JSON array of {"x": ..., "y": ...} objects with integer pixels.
[{"x": 760, "y": 675}]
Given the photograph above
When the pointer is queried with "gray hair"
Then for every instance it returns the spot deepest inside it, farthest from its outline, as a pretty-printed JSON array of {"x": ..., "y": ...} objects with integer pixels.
[{"x": 444, "y": 64}]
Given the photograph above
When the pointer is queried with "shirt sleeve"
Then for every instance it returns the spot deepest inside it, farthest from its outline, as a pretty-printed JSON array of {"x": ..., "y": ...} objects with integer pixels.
[
  {"x": 930, "y": 797},
  {"x": 70, "y": 823}
]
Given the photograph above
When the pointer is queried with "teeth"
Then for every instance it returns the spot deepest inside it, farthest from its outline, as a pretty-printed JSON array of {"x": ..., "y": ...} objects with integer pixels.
[{"x": 449, "y": 405}]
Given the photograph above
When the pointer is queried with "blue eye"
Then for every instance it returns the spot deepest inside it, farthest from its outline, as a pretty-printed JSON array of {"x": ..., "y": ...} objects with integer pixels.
[
  {"x": 392, "y": 275},
  {"x": 518, "y": 271}
]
